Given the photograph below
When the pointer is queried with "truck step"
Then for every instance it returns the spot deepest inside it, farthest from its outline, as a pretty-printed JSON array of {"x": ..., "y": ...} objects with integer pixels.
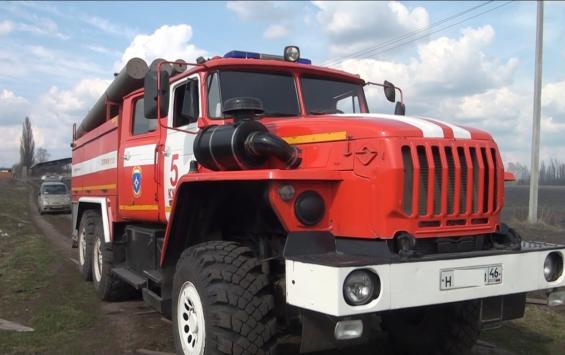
[
  {"x": 130, "y": 277},
  {"x": 154, "y": 275},
  {"x": 157, "y": 302}
]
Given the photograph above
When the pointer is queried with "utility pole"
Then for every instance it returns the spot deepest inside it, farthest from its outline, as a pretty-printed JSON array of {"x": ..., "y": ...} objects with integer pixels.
[{"x": 534, "y": 171}]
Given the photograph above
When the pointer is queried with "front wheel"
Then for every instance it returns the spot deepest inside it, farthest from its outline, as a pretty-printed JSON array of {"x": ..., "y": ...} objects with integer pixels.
[
  {"x": 434, "y": 330},
  {"x": 222, "y": 302}
]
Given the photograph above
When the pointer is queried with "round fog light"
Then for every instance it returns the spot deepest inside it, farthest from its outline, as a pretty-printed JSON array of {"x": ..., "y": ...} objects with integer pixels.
[
  {"x": 553, "y": 266},
  {"x": 360, "y": 287},
  {"x": 309, "y": 208}
]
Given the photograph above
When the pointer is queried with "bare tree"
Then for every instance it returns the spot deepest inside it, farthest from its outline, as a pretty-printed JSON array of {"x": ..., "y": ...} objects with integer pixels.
[
  {"x": 27, "y": 145},
  {"x": 41, "y": 155}
]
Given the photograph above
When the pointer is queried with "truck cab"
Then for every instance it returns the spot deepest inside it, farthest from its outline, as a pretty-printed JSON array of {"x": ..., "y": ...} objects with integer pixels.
[{"x": 250, "y": 196}]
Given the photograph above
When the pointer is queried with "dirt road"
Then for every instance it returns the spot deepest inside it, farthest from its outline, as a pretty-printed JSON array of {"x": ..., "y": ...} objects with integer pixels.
[
  {"x": 132, "y": 328},
  {"x": 136, "y": 328}
]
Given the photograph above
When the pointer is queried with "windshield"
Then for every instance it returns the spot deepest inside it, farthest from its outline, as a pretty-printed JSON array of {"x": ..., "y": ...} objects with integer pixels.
[
  {"x": 276, "y": 91},
  {"x": 57, "y": 189},
  {"x": 326, "y": 96}
]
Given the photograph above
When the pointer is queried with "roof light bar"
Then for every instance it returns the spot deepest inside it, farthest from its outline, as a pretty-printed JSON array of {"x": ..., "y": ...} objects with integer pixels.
[{"x": 254, "y": 55}]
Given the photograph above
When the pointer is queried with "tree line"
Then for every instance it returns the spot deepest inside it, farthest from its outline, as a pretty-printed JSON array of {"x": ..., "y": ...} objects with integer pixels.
[
  {"x": 28, "y": 154},
  {"x": 552, "y": 172}
]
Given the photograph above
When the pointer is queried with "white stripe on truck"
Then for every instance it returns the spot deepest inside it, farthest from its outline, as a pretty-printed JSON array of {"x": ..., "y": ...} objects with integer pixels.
[
  {"x": 429, "y": 129},
  {"x": 99, "y": 163},
  {"x": 458, "y": 131}
]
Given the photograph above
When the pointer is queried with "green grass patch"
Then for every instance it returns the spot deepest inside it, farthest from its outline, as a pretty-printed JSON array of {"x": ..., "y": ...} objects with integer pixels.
[
  {"x": 39, "y": 287},
  {"x": 541, "y": 331}
]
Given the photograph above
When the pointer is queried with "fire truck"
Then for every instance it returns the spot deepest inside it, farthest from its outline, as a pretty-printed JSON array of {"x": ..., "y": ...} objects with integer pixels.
[{"x": 252, "y": 196}]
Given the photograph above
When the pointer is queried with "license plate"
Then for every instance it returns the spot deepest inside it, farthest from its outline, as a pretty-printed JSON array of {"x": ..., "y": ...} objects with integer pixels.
[{"x": 475, "y": 276}]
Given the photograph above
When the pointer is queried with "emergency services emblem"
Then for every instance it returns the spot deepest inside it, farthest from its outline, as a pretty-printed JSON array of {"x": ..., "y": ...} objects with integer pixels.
[{"x": 136, "y": 181}]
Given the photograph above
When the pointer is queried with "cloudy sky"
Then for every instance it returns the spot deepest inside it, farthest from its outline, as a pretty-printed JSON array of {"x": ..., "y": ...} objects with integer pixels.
[{"x": 465, "y": 62}]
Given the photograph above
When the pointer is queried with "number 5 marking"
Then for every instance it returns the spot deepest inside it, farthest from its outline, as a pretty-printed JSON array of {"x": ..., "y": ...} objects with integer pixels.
[{"x": 174, "y": 171}]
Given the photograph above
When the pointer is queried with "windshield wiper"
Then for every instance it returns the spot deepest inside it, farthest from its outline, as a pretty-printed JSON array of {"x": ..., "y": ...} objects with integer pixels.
[
  {"x": 279, "y": 114},
  {"x": 325, "y": 112}
]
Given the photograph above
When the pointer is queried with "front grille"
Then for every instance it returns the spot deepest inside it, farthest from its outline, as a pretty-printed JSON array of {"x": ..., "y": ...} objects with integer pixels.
[{"x": 451, "y": 180}]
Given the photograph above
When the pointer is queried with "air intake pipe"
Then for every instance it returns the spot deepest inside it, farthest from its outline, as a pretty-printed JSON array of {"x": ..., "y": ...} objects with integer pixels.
[{"x": 245, "y": 144}]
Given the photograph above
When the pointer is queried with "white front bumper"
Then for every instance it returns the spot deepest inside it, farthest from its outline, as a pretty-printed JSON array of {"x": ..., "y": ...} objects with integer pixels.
[{"x": 410, "y": 284}]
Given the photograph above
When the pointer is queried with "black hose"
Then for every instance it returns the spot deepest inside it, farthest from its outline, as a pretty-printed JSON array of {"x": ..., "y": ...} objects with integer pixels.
[{"x": 267, "y": 144}]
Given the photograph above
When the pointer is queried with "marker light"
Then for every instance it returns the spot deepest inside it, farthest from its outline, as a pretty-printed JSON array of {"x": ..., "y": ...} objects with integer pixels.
[
  {"x": 553, "y": 266},
  {"x": 348, "y": 329}
]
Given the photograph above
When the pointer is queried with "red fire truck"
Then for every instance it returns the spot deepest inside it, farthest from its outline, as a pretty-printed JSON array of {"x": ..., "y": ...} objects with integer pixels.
[{"x": 250, "y": 196}]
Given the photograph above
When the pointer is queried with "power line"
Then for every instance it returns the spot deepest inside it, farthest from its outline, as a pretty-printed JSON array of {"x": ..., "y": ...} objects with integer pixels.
[
  {"x": 441, "y": 29},
  {"x": 391, "y": 44},
  {"x": 406, "y": 35}
]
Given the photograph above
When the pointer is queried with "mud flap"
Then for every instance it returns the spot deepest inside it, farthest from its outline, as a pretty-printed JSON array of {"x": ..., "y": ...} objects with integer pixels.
[{"x": 501, "y": 308}]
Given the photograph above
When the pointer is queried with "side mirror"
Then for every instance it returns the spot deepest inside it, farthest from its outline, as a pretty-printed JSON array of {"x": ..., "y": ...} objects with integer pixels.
[
  {"x": 390, "y": 91},
  {"x": 150, "y": 94},
  {"x": 400, "y": 109}
]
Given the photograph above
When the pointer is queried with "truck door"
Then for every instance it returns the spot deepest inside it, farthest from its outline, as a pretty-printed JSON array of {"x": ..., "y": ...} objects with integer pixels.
[
  {"x": 138, "y": 181},
  {"x": 177, "y": 152}
]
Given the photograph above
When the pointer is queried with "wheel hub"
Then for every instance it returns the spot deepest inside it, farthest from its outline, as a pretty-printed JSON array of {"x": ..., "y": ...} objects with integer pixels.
[
  {"x": 190, "y": 320},
  {"x": 97, "y": 259},
  {"x": 82, "y": 248}
]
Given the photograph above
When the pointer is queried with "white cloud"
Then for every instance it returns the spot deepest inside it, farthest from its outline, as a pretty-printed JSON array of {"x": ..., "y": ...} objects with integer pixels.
[
  {"x": 56, "y": 110},
  {"x": 6, "y": 27},
  {"x": 354, "y": 25},
  {"x": 13, "y": 108},
  {"x": 9, "y": 149},
  {"x": 280, "y": 16},
  {"x": 109, "y": 27},
  {"x": 101, "y": 49},
  {"x": 70, "y": 105},
  {"x": 259, "y": 10},
  {"x": 42, "y": 26},
  {"x": 168, "y": 42},
  {"x": 36, "y": 61},
  {"x": 276, "y": 31},
  {"x": 443, "y": 67}
]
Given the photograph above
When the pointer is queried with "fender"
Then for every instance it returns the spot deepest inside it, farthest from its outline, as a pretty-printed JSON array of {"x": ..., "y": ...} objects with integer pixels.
[
  {"x": 192, "y": 180},
  {"x": 104, "y": 212}
]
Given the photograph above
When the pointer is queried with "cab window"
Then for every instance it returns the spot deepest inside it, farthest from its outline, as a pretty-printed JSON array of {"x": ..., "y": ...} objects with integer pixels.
[
  {"x": 214, "y": 97},
  {"x": 186, "y": 109},
  {"x": 327, "y": 96},
  {"x": 141, "y": 124},
  {"x": 275, "y": 90}
]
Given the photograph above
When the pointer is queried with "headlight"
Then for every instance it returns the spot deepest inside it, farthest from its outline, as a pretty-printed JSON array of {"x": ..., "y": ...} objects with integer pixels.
[
  {"x": 309, "y": 208},
  {"x": 553, "y": 266},
  {"x": 291, "y": 53},
  {"x": 360, "y": 287}
]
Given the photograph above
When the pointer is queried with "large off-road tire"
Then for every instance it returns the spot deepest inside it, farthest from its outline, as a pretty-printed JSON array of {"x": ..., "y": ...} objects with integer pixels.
[
  {"x": 222, "y": 302},
  {"x": 434, "y": 330},
  {"x": 108, "y": 287},
  {"x": 86, "y": 234}
]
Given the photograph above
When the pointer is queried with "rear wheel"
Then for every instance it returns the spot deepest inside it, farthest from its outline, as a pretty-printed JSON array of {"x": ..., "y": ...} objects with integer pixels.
[
  {"x": 222, "y": 302},
  {"x": 434, "y": 330},
  {"x": 108, "y": 287},
  {"x": 86, "y": 233}
]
